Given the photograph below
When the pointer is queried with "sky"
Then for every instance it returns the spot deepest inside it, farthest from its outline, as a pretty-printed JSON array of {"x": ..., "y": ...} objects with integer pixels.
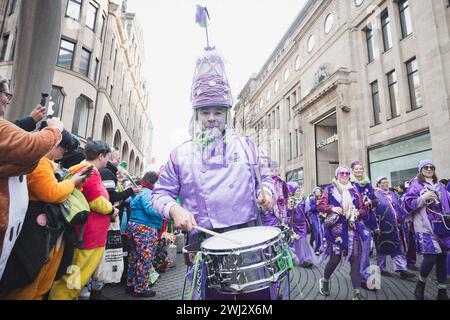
[{"x": 244, "y": 32}]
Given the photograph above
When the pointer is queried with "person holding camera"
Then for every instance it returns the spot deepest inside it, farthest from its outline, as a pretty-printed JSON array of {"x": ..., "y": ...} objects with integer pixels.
[
  {"x": 20, "y": 152},
  {"x": 428, "y": 205},
  {"x": 344, "y": 230},
  {"x": 88, "y": 254},
  {"x": 31, "y": 270}
]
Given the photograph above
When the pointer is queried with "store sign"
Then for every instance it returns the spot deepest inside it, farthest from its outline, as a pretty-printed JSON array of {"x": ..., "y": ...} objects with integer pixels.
[{"x": 327, "y": 141}]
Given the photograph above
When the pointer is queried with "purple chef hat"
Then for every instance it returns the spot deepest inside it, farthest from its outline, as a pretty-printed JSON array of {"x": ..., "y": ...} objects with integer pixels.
[
  {"x": 210, "y": 85},
  {"x": 292, "y": 187},
  {"x": 423, "y": 163}
]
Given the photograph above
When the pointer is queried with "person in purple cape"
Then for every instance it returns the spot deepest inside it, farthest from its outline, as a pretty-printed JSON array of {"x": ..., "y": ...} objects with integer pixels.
[
  {"x": 214, "y": 172},
  {"x": 364, "y": 187},
  {"x": 344, "y": 230},
  {"x": 427, "y": 203},
  {"x": 316, "y": 221},
  {"x": 390, "y": 238},
  {"x": 298, "y": 206}
]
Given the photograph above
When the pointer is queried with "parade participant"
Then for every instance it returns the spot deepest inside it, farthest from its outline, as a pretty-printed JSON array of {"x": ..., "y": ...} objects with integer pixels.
[
  {"x": 214, "y": 172},
  {"x": 20, "y": 153},
  {"x": 344, "y": 229},
  {"x": 363, "y": 186},
  {"x": 93, "y": 233},
  {"x": 426, "y": 202},
  {"x": 142, "y": 231},
  {"x": 298, "y": 206},
  {"x": 390, "y": 239},
  {"x": 31, "y": 270},
  {"x": 314, "y": 216}
]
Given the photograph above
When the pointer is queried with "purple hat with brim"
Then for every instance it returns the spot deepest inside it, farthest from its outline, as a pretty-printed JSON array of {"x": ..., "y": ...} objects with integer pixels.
[
  {"x": 210, "y": 85},
  {"x": 425, "y": 162},
  {"x": 292, "y": 187}
]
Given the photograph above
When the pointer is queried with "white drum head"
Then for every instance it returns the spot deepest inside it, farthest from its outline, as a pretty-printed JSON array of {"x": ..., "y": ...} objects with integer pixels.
[{"x": 247, "y": 236}]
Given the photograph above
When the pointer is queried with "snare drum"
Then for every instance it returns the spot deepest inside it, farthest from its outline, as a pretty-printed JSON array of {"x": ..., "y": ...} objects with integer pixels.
[{"x": 257, "y": 263}]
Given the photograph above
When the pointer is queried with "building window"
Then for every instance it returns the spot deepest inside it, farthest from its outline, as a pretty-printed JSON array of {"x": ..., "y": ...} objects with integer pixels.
[
  {"x": 91, "y": 18},
  {"x": 85, "y": 62},
  {"x": 277, "y": 86},
  {"x": 102, "y": 32},
  {"x": 288, "y": 104},
  {"x": 375, "y": 103},
  {"x": 66, "y": 51},
  {"x": 358, "y": 2},
  {"x": 286, "y": 75},
  {"x": 290, "y": 146},
  {"x": 4, "y": 46},
  {"x": 297, "y": 63},
  {"x": 115, "y": 60},
  {"x": 386, "y": 30},
  {"x": 112, "y": 48},
  {"x": 398, "y": 160},
  {"x": 74, "y": 9},
  {"x": 97, "y": 64},
  {"x": 414, "y": 84},
  {"x": 296, "y": 143},
  {"x": 80, "y": 117},
  {"x": 111, "y": 87},
  {"x": 369, "y": 41},
  {"x": 405, "y": 18},
  {"x": 57, "y": 98},
  {"x": 329, "y": 21},
  {"x": 13, "y": 7},
  {"x": 311, "y": 43},
  {"x": 268, "y": 95},
  {"x": 278, "y": 117},
  {"x": 393, "y": 93}
]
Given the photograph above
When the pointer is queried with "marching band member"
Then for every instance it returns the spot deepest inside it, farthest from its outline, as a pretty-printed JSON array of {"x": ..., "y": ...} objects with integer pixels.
[
  {"x": 344, "y": 229},
  {"x": 297, "y": 209},
  {"x": 363, "y": 186},
  {"x": 426, "y": 201},
  {"x": 316, "y": 221},
  {"x": 214, "y": 172},
  {"x": 391, "y": 238}
]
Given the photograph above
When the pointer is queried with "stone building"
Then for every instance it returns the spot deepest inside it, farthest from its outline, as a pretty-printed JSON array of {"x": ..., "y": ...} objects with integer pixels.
[{"x": 359, "y": 79}]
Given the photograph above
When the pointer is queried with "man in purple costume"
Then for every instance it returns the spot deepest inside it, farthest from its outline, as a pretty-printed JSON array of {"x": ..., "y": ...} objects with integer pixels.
[
  {"x": 214, "y": 172},
  {"x": 427, "y": 201},
  {"x": 316, "y": 220},
  {"x": 390, "y": 239},
  {"x": 297, "y": 209}
]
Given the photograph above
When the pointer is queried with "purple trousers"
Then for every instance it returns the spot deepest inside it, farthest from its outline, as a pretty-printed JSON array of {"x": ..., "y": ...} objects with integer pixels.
[{"x": 399, "y": 262}]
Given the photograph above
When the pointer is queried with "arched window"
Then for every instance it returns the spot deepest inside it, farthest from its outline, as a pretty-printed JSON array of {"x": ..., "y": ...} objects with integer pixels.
[
  {"x": 132, "y": 163},
  {"x": 117, "y": 140},
  {"x": 57, "y": 97},
  {"x": 81, "y": 117},
  {"x": 125, "y": 153},
  {"x": 107, "y": 129}
]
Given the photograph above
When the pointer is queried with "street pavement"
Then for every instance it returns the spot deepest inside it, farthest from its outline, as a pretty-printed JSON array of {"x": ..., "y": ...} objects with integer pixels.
[{"x": 304, "y": 285}]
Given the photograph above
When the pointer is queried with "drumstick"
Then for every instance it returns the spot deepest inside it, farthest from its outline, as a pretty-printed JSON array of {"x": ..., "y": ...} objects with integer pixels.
[
  {"x": 258, "y": 177},
  {"x": 212, "y": 233}
]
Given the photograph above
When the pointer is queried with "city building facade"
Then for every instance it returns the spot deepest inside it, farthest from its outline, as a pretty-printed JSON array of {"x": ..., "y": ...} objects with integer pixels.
[
  {"x": 98, "y": 90},
  {"x": 363, "y": 80}
]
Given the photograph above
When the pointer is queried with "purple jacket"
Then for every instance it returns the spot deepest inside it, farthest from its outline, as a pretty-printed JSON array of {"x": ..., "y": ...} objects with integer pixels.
[{"x": 220, "y": 192}]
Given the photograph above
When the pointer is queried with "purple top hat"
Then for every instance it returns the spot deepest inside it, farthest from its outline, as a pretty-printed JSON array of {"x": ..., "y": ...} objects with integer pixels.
[
  {"x": 292, "y": 187},
  {"x": 210, "y": 85}
]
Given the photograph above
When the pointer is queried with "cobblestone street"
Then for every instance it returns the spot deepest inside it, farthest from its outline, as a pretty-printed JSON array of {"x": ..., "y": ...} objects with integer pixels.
[{"x": 304, "y": 285}]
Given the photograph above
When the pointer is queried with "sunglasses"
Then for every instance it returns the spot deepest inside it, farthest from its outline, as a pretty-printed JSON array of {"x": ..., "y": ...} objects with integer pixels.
[
  {"x": 8, "y": 95},
  {"x": 342, "y": 174},
  {"x": 429, "y": 168}
]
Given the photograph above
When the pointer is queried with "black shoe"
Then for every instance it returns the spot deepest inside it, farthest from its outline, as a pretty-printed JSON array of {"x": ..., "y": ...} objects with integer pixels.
[
  {"x": 405, "y": 275},
  {"x": 442, "y": 295},
  {"x": 97, "y": 295},
  {"x": 129, "y": 289},
  {"x": 147, "y": 294},
  {"x": 386, "y": 274},
  {"x": 412, "y": 267},
  {"x": 364, "y": 286},
  {"x": 419, "y": 293}
]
